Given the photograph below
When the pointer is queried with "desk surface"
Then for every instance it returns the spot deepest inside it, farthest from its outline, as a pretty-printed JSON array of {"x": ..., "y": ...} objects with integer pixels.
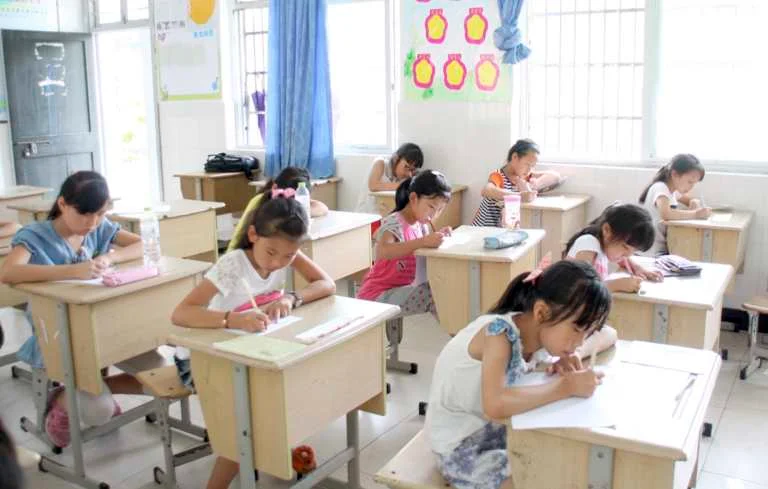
[
  {"x": 640, "y": 431},
  {"x": 175, "y": 208},
  {"x": 729, "y": 221},
  {"x": 82, "y": 293},
  {"x": 563, "y": 202},
  {"x": 41, "y": 205},
  {"x": 21, "y": 191},
  {"x": 466, "y": 243},
  {"x": 337, "y": 222},
  {"x": 311, "y": 315},
  {"x": 455, "y": 189},
  {"x": 314, "y": 183},
  {"x": 759, "y": 303},
  {"x": 702, "y": 292},
  {"x": 213, "y": 176}
]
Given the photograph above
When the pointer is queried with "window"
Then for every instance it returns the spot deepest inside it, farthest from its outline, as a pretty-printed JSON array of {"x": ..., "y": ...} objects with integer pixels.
[
  {"x": 635, "y": 80},
  {"x": 118, "y": 12},
  {"x": 584, "y": 81},
  {"x": 712, "y": 86},
  {"x": 358, "y": 48},
  {"x": 253, "y": 25}
]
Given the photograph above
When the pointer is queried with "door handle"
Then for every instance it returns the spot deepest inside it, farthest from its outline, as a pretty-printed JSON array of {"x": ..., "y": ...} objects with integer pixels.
[{"x": 31, "y": 147}]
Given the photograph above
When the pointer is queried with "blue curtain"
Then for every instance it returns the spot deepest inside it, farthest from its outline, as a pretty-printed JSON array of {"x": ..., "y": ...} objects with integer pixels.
[
  {"x": 508, "y": 37},
  {"x": 299, "y": 123}
]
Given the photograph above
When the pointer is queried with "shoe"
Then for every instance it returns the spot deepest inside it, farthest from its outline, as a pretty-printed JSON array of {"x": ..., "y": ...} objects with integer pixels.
[
  {"x": 303, "y": 459},
  {"x": 57, "y": 421}
]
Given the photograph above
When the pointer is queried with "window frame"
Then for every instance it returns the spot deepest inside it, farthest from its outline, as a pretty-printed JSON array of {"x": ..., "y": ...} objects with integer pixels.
[
  {"x": 238, "y": 80},
  {"x": 123, "y": 23}
]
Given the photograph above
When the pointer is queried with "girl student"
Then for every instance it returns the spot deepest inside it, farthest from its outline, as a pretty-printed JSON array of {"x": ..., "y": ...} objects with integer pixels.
[
  {"x": 290, "y": 177},
  {"x": 555, "y": 309},
  {"x": 386, "y": 174},
  {"x": 671, "y": 186},
  {"x": 76, "y": 242},
  {"x": 516, "y": 176},
  {"x": 397, "y": 276},
  {"x": 619, "y": 232},
  {"x": 258, "y": 266}
]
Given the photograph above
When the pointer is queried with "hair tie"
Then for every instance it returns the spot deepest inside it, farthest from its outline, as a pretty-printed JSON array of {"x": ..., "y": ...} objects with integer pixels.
[
  {"x": 287, "y": 193},
  {"x": 543, "y": 264}
]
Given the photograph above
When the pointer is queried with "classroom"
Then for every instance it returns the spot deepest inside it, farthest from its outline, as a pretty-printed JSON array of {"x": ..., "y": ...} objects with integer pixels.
[{"x": 405, "y": 244}]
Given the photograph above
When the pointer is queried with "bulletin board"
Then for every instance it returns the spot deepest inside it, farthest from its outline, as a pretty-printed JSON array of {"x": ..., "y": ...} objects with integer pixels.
[
  {"x": 187, "y": 46},
  {"x": 449, "y": 52},
  {"x": 28, "y": 14}
]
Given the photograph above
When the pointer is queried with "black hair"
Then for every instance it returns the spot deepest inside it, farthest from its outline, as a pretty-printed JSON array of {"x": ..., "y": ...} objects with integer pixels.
[
  {"x": 409, "y": 152},
  {"x": 571, "y": 289},
  {"x": 290, "y": 177},
  {"x": 86, "y": 191},
  {"x": 279, "y": 216},
  {"x": 680, "y": 164},
  {"x": 429, "y": 183},
  {"x": 522, "y": 147},
  {"x": 629, "y": 223},
  {"x": 11, "y": 475}
]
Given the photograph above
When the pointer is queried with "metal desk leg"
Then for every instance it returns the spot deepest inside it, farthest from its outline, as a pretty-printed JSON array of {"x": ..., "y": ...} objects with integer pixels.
[
  {"x": 474, "y": 290},
  {"x": 244, "y": 431},
  {"x": 353, "y": 442},
  {"x": 198, "y": 189},
  {"x": 756, "y": 352}
]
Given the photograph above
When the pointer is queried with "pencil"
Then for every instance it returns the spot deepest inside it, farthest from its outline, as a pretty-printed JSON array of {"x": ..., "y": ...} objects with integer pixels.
[{"x": 250, "y": 294}]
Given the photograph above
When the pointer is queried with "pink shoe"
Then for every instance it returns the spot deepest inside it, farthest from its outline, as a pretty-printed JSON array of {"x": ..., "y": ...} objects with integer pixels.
[{"x": 57, "y": 421}]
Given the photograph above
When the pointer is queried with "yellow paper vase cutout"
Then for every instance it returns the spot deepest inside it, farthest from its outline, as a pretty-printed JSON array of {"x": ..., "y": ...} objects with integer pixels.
[
  {"x": 475, "y": 26},
  {"x": 486, "y": 73},
  {"x": 200, "y": 11},
  {"x": 454, "y": 72},
  {"x": 436, "y": 26},
  {"x": 423, "y": 71}
]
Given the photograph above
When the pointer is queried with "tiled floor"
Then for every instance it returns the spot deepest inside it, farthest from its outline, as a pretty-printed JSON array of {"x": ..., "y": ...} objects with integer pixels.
[{"x": 732, "y": 459}]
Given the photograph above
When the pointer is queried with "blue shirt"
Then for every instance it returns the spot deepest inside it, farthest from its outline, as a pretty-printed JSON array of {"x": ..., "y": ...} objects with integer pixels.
[{"x": 47, "y": 247}]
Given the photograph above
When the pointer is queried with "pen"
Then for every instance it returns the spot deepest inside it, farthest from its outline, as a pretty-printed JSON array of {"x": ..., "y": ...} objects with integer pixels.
[
  {"x": 691, "y": 380},
  {"x": 250, "y": 294}
]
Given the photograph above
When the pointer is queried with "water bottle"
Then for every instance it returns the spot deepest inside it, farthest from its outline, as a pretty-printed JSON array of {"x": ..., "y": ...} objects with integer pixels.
[
  {"x": 302, "y": 195},
  {"x": 150, "y": 238}
]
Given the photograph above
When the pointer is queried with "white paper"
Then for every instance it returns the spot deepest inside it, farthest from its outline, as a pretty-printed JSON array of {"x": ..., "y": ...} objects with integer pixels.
[
  {"x": 286, "y": 321},
  {"x": 92, "y": 281},
  {"x": 721, "y": 217},
  {"x": 664, "y": 356},
  {"x": 455, "y": 240}
]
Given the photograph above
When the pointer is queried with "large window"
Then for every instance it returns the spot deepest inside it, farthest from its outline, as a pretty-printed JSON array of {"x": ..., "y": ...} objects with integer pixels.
[
  {"x": 359, "y": 52},
  {"x": 644, "y": 79}
]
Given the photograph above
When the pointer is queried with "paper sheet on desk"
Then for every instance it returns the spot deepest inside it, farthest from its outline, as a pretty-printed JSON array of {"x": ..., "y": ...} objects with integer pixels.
[
  {"x": 664, "y": 356},
  {"x": 92, "y": 281},
  {"x": 455, "y": 240},
  {"x": 286, "y": 321},
  {"x": 721, "y": 217}
]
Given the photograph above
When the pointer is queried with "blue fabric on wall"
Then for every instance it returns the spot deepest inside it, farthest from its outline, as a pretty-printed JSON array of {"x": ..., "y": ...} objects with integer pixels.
[{"x": 508, "y": 38}]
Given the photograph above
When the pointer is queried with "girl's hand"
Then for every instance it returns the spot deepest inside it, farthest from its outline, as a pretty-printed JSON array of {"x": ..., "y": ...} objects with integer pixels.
[
  {"x": 446, "y": 231},
  {"x": 251, "y": 321},
  {"x": 703, "y": 212},
  {"x": 694, "y": 204},
  {"x": 102, "y": 263},
  {"x": 651, "y": 275},
  {"x": 432, "y": 240},
  {"x": 528, "y": 195},
  {"x": 627, "y": 284},
  {"x": 564, "y": 365},
  {"x": 279, "y": 308},
  {"x": 582, "y": 383},
  {"x": 88, "y": 270}
]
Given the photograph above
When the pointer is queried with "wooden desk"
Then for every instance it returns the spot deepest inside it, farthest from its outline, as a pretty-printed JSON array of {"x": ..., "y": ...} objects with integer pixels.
[
  {"x": 32, "y": 211},
  {"x": 561, "y": 216},
  {"x": 682, "y": 311},
  {"x": 107, "y": 324},
  {"x": 8, "y": 296},
  {"x": 187, "y": 228},
  {"x": 230, "y": 188},
  {"x": 256, "y": 411},
  {"x": 720, "y": 239},
  {"x": 451, "y": 216},
  {"x": 467, "y": 279},
  {"x": 644, "y": 450},
  {"x": 20, "y": 194},
  {"x": 324, "y": 189},
  {"x": 340, "y": 243}
]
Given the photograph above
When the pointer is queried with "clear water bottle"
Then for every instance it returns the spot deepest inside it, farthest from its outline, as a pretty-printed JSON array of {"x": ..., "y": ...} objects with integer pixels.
[
  {"x": 302, "y": 195},
  {"x": 150, "y": 238}
]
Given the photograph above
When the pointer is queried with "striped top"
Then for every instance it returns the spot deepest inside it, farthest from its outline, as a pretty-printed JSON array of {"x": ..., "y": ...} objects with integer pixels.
[{"x": 489, "y": 213}]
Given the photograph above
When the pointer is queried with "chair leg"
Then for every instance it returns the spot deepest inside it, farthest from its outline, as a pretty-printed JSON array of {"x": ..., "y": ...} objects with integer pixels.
[
  {"x": 394, "y": 332},
  {"x": 756, "y": 353}
]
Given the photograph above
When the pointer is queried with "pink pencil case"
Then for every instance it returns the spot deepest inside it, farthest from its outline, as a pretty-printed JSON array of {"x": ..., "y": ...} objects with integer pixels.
[
  {"x": 122, "y": 277},
  {"x": 260, "y": 300}
]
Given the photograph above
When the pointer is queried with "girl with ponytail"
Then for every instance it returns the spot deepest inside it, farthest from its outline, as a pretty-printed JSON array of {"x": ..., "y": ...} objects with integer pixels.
[
  {"x": 397, "y": 276},
  {"x": 671, "y": 186}
]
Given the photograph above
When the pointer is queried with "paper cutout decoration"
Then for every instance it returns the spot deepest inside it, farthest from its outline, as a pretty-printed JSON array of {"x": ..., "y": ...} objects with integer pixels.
[
  {"x": 454, "y": 72},
  {"x": 436, "y": 26},
  {"x": 200, "y": 11},
  {"x": 486, "y": 73},
  {"x": 475, "y": 26},
  {"x": 423, "y": 71}
]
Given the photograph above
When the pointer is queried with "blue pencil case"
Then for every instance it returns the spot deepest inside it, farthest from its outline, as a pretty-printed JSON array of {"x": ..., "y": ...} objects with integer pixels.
[{"x": 506, "y": 239}]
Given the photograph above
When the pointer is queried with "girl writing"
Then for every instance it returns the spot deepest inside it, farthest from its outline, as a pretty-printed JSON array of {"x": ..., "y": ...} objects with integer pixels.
[
  {"x": 397, "y": 277},
  {"x": 619, "y": 232},
  {"x": 671, "y": 186},
  {"x": 556, "y": 309},
  {"x": 386, "y": 174},
  {"x": 258, "y": 266},
  {"x": 516, "y": 176},
  {"x": 76, "y": 242}
]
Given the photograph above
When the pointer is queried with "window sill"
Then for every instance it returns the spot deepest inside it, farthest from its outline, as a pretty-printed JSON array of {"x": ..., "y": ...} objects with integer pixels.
[{"x": 713, "y": 166}]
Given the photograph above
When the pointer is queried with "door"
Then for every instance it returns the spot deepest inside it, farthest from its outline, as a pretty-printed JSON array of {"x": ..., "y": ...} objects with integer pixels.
[{"x": 51, "y": 104}]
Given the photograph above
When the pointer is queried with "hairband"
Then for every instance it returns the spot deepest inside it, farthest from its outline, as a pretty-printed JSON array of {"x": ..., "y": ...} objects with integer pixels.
[
  {"x": 543, "y": 264},
  {"x": 287, "y": 193}
]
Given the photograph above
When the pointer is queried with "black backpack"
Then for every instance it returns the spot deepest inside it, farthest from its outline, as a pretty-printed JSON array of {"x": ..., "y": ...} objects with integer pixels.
[{"x": 224, "y": 163}]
